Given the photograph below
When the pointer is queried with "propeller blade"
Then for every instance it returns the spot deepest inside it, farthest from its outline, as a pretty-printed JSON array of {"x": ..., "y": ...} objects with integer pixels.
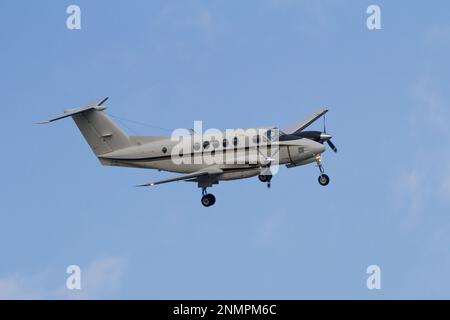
[{"x": 332, "y": 146}]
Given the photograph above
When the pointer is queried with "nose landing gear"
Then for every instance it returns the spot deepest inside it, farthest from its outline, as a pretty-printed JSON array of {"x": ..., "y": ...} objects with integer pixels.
[
  {"x": 323, "y": 178},
  {"x": 208, "y": 199}
]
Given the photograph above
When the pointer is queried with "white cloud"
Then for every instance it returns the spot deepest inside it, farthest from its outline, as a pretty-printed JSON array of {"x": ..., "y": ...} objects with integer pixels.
[
  {"x": 427, "y": 176},
  {"x": 206, "y": 19},
  {"x": 187, "y": 15},
  {"x": 17, "y": 287},
  {"x": 437, "y": 35},
  {"x": 411, "y": 193},
  {"x": 432, "y": 110},
  {"x": 101, "y": 278}
]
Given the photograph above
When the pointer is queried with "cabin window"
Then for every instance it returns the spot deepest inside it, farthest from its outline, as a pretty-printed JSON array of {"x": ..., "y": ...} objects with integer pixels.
[
  {"x": 164, "y": 150},
  {"x": 235, "y": 141},
  {"x": 196, "y": 146},
  {"x": 205, "y": 144},
  {"x": 256, "y": 138},
  {"x": 215, "y": 143},
  {"x": 225, "y": 143}
]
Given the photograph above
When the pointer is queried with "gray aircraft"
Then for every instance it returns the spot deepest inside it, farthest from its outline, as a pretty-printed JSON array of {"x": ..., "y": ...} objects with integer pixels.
[{"x": 205, "y": 158}]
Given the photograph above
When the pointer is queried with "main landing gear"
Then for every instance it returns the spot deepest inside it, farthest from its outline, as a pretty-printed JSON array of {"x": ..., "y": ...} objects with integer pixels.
[
  {"x": 323, "y": 178},
  {"x": 208, "y": 199},
  {"x": 265, "y": 178}
]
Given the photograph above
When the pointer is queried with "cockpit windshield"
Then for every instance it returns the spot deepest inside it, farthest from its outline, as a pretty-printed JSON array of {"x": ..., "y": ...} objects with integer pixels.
[{"x": 273, "y": 134}]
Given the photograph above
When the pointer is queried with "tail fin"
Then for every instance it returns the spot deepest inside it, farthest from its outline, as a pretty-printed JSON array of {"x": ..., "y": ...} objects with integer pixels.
[{"x": 100, "y": 132}]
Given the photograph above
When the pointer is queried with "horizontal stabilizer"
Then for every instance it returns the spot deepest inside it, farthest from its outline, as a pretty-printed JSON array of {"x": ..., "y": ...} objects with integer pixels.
[{"x": 72, "y": 112}]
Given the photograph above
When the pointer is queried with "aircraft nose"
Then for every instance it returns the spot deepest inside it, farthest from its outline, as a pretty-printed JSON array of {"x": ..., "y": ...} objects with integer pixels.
[{"x": 316, "y": 147}]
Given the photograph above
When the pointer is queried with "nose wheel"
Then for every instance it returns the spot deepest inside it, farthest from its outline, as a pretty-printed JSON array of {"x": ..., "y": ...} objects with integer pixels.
[
  {"x": 208, "y": 199},
  {"x": 324, "y": 179}
]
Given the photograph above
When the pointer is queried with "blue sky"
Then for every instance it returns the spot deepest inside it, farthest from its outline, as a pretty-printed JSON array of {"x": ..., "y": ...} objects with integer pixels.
[{"x": 230, "y": 64}]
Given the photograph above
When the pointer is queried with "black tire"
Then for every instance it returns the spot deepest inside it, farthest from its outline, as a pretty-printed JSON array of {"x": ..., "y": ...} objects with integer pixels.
[
  {"x": 206, "y": 200},
  {"x": 265, "y": 178},
  {"x": 262, "y": 178},
  {"x": 324, "y": 179},
  {"x": 212, "y": 199}
]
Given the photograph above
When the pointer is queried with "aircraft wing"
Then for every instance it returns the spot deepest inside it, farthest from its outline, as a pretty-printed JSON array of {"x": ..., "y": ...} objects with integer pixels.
[
  {"x": 204, "y": 172},
  {"x": 304, "y": 123}
]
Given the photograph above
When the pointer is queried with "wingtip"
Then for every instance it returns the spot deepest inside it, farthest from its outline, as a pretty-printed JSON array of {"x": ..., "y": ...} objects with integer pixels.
[
  {"x": 145, "y": 185},
  {"x": 42, "y": 122}
]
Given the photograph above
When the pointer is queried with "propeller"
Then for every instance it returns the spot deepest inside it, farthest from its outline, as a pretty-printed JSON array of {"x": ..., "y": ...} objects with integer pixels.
[
  {"x": 332, "y": 146},
  {"x": 326, "y": 137},
  {"x": 319, "y": 136}
]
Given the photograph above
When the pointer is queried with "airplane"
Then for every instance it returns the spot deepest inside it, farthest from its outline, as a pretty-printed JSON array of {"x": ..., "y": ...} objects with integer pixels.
[{"x": 236, "y": 154}]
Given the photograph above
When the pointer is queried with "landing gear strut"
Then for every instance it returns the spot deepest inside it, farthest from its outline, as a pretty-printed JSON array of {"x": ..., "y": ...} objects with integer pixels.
[
  {"x": 323, "y": 178},
  {"x": 208, "y": 199}
]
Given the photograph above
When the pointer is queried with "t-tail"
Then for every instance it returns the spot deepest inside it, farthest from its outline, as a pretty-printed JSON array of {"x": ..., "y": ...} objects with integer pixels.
[{"x": 100, "y": 132}]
